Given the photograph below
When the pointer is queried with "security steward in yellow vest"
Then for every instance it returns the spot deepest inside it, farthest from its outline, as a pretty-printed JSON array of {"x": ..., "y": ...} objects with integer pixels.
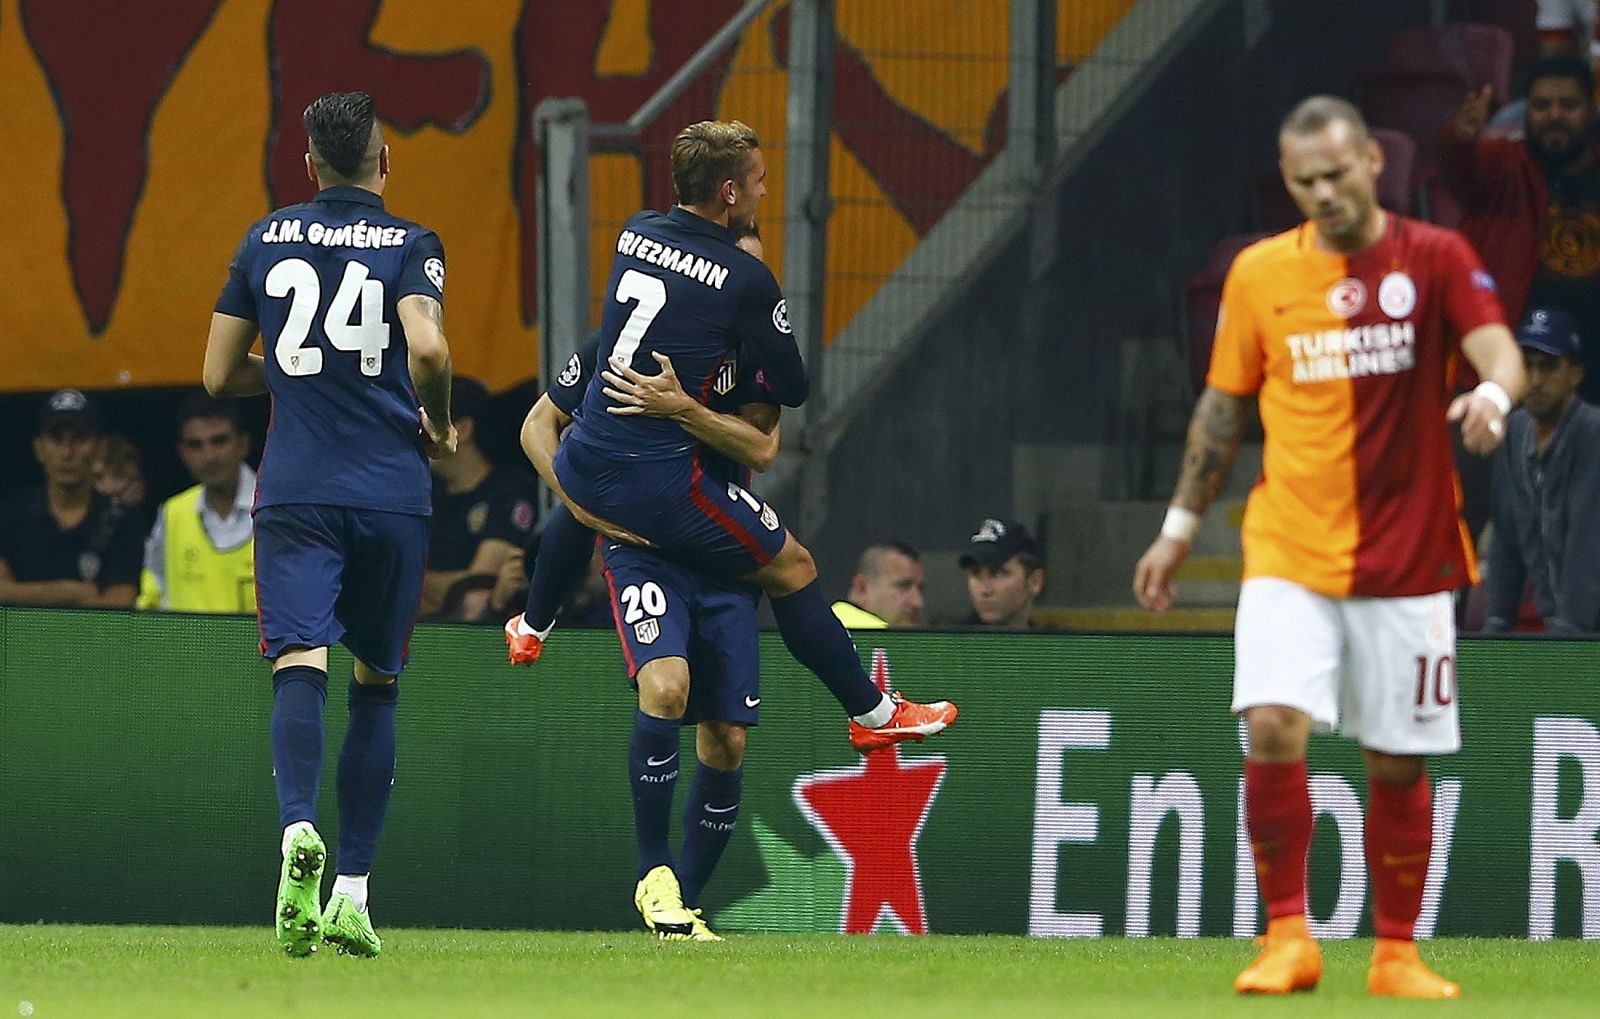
[{"x": 200, "y": 554}]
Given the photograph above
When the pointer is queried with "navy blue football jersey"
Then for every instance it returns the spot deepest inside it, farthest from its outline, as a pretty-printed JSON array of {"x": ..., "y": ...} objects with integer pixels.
[
  {"x": 681, "y": 286},
  {"x": 322, "y": 281},
  {"x": 736, "y": 382}
]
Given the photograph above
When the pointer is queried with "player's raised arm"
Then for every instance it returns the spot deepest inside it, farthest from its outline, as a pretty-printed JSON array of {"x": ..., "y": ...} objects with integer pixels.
[
  {"x": 740, "y": 438},
  {"x": 230, "y": 369},
  {"x": 428, "y": 357}
]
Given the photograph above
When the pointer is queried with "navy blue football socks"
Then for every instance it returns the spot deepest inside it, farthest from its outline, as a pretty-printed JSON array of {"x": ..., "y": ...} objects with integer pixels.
[
  {"x": 366, "y": 773},
  {"x": 653, "y": 773},
  {"x": 299, "y": 693},
  {"x": 708, "y": 820},
  {"x": 817, "y": 640},
  {"x": 565, "y": 547}
]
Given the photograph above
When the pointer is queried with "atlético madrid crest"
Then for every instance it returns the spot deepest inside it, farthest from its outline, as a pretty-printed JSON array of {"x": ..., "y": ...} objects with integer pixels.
[{"x": 871, "y": 814}]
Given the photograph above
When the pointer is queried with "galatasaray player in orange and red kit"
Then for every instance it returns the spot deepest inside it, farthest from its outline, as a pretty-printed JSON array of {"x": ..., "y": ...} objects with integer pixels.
[{"x": 1348, "y": 330}]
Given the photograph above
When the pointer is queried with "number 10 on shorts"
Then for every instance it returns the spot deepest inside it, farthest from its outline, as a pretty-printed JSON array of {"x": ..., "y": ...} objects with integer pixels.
[{"x": 1436, "y": 681}]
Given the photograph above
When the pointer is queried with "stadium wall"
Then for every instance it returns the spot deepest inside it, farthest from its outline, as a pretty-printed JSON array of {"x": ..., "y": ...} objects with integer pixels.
[{"x": 1090, "y": 788}]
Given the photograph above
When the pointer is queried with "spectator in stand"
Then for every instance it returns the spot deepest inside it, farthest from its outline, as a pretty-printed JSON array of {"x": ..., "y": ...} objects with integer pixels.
[
  {"x": 481, "y": 514},
  {"x": 1005, "y": 576},
  {"x": 200, "y": 553},
  {"x": 1532, "y": 207},
  {"x": 66, "y": 543},
  {"x": 588, "y": 607},
  {"x": 120, "y": 473},
  {"x": 886, "y": 590},
  {"x": 1547, "y": 489}
]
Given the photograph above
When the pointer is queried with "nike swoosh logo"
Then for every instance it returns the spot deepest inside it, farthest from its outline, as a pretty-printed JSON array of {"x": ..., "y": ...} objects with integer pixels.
[
  {"x": 751, "y": 702},
  {"x": 653, "y": 763},
  {"x": 720, "y": 810}
]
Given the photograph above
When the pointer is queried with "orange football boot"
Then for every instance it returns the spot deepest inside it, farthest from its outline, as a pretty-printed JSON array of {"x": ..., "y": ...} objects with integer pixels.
[
  {"x": 910, "y": 720},
  {"x": 1399, "y": 972},
  {"x": 1289, "y": 961},
  {"x": 523, "y": 648}
]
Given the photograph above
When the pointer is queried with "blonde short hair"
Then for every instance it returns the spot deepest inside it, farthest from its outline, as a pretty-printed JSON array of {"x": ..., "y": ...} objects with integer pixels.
[{"x": 706, "y": 154}]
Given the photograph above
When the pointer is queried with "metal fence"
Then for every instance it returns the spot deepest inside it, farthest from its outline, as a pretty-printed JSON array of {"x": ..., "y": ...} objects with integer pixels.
[{"x": 878, "y": 120}]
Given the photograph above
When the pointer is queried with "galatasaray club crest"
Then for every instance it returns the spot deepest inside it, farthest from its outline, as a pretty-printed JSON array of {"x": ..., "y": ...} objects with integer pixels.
[
  {"x": 1347, "y": 297},
  {"x": 871, "y": 815}
]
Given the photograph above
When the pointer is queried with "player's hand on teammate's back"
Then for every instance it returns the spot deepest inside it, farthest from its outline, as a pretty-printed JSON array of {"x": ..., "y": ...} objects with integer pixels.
[
  {"x": 1152, "y": 577},
  {"x": 1474, "y": 113},
  {"x": 436, "y": 443},
  {"x": 657, "y": 396},
  {"x": 1483, "y": 427}
]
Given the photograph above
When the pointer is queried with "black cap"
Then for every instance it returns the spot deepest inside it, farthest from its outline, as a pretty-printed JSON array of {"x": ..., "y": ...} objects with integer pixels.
[
  {"x": 468, "y": 398},
  {"x": 996, "y": 542},
  {"x": 1552, "y": 331},
  {"x": 69, "y": 408}
]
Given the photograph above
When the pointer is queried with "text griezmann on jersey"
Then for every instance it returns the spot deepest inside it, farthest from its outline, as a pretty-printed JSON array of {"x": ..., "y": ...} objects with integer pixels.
[
  {"x": 702, "y": 270},
  {"x": 348, "y": 235}
]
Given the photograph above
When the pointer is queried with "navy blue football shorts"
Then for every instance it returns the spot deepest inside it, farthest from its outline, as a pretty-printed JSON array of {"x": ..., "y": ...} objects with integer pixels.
[
  {"x": 716, "y": 526},
  {"x": 327, "y": 574},
  {"x": 665, "y": 609}
]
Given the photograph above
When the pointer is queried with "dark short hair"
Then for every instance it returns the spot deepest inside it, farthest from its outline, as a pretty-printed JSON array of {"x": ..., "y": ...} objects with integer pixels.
[
  {"x": 339, "y": 126},
  {"x": 872, "y": 556},
  {"x": 1312, "y": 115},
  {"x": 706, "y": 154},
  {"x": 1573, "y": 68},
  {"x": 203, "y": 406}
]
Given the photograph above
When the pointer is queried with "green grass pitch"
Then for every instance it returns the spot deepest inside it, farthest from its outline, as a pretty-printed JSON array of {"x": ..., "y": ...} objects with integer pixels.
[{"x": 59, "y": 971}]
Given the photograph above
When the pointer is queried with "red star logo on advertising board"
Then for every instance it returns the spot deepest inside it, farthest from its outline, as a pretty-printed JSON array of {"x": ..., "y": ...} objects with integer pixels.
[{"x": 871, "y": 815}]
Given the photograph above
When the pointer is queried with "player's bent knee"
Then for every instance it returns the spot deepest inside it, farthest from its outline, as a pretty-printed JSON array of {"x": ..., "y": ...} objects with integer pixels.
[
  {"x": 366, "y": 675},
  {"x": 1278, "y": 733},
  {"x": 1393, "y": 769},
  {"x": 664, "y": 687},
  {"x": 315, "y": 657},
  {"x": 721, "y": 744},
  {"x": 791, "y": 570}
]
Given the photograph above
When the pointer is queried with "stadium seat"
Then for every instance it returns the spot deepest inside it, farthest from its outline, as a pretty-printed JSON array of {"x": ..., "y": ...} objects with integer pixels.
[
  {"x": 1480, "y": 54},
  {"x": 1442, "y": 208},
  {"x": 1202, "y": 296},
  {"x": 1519, "y": 17},
  {"x": 1416, "y": 104}
]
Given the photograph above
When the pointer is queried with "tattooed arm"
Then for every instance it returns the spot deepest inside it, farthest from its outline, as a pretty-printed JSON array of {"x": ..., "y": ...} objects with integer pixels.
[
  {"x": 1214, "y": 433},
  {"x": 428, "y": 357}
]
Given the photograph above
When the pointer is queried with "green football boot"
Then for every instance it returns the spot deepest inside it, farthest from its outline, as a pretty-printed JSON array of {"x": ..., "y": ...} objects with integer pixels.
[
  {"x": 299, "y": 920},
  {"x": 660, "y": 902},
  {"x": 348, "y": 928},
  {"x": 702, "y": 931}
]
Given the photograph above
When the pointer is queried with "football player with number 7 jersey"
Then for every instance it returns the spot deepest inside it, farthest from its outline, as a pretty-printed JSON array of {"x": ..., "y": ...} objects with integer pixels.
[
  {"x": 681, "y": 288},
  {"x": 348, "y": 300}
]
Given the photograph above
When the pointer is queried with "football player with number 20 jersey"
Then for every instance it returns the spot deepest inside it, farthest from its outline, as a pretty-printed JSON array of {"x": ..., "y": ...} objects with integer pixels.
[{"x": 348, "y": 300}]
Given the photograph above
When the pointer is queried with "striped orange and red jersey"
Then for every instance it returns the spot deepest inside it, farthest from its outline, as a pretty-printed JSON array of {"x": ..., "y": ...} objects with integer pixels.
[{"x": 1353, "y": 357}]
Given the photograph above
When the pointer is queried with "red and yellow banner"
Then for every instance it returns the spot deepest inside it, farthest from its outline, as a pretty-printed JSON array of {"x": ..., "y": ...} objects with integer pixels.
[{"x": 142, "y": 139}]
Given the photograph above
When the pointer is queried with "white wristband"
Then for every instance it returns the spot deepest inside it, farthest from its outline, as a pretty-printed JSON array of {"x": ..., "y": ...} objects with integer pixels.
[
  {"x": 1495, "y": 394},
  {"x": 1180, "y": 524}
]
